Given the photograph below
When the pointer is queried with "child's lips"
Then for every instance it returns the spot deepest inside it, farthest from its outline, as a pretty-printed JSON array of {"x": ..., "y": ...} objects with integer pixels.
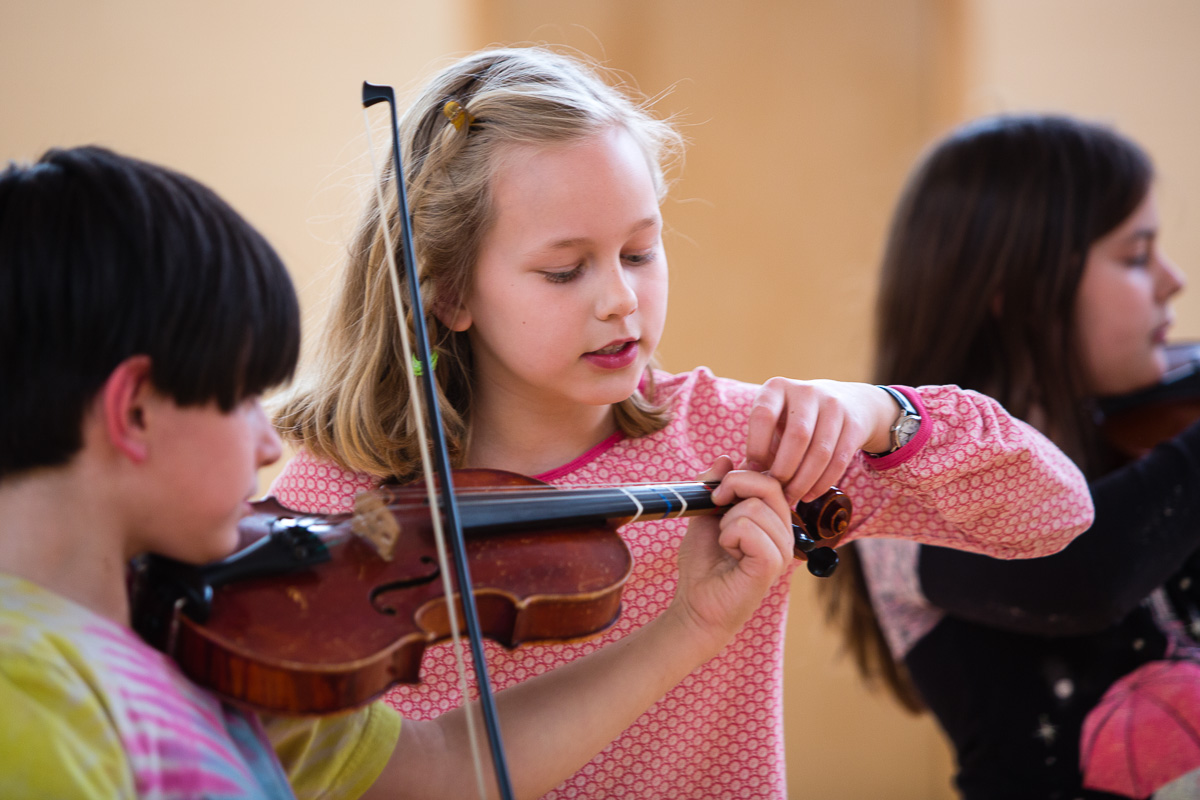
[
  {"x": 615, "y": 355},
  {"x": 613, "y": 347},
  {"x": 1160, "y": 333}
]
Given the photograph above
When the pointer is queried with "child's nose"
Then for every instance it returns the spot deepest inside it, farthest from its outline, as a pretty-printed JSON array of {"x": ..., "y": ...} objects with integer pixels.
[
  {"x": 1171, "y": 279},
  {"x": 617, "y": 297},
  {"x": 270, "y": 446}
]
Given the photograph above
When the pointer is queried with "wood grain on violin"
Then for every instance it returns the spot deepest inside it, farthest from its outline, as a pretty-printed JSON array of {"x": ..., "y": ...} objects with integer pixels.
[{"x": 319, "y": 614}]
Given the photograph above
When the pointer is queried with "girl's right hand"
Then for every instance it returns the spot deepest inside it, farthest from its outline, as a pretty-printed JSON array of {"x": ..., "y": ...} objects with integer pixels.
[
  {"x": 805, "y": 433},
  {"x": 728, "y": 562}
]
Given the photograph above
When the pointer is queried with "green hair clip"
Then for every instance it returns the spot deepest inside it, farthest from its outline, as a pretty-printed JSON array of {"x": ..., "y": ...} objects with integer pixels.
[{"x": 419, "y": 370}]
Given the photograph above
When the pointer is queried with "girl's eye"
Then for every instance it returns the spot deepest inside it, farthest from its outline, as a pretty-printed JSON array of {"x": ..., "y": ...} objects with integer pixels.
[
  {"x": 1139, "y": 260},
  {"x": 564, "y": 276},
  {"x": 1142, "y": 253},
  {"x": 638, "y": 259}
]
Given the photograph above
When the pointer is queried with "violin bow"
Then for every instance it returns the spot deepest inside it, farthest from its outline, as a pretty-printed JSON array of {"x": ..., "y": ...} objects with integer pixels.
[{"x": 372, "y": 94}]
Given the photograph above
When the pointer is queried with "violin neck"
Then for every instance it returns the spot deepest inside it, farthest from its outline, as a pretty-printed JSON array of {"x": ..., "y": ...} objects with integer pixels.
[{"x": 501, "y": 511}]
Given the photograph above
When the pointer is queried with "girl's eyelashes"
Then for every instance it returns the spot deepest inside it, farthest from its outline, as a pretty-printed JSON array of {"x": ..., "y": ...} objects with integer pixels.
[
  {"x": 563, "y": 276},
  {"x": 1143, "y": 253},
  {"x": 567, "y": 275},
  {"x": 1141, "y": 258}
]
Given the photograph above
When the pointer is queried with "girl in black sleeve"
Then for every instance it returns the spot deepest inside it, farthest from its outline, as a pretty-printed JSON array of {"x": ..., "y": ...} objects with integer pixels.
[{"x": 1023, "y": 262}]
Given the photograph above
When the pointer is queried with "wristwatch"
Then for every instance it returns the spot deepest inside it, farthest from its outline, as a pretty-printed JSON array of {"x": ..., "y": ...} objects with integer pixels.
[{"x": 906, "y": 425}]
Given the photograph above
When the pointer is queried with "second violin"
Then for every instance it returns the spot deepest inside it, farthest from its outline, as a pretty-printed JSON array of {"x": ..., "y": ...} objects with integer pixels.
[{"x": 1134, "y": 423}]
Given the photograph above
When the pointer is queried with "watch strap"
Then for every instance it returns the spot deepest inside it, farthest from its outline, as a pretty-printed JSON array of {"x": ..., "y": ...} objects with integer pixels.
[{"x": 903, "y": 428}]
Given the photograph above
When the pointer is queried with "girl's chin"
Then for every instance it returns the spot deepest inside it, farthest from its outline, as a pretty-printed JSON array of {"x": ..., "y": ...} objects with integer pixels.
[
  {"x": 1162, "y": 366},
  {"x": 625, "y": 392}
]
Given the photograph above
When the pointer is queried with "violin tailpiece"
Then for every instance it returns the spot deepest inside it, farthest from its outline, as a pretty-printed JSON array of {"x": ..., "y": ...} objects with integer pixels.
[{"x": 373, "y": 523}]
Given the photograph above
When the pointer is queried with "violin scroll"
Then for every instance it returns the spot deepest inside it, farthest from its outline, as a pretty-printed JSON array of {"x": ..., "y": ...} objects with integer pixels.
[{"x": 818, "y": 527}]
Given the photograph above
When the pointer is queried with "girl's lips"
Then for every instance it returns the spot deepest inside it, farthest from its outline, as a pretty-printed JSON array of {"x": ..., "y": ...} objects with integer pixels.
[
  {"x": 625, "y": 355},
  {"x": 1160, "y": 333}
]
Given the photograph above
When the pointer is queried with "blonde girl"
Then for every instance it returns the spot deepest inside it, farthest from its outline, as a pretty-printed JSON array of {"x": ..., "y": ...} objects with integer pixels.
[{"x": 535, "y": 188}]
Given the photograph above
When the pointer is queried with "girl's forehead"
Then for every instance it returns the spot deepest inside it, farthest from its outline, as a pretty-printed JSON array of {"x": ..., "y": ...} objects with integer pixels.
[
  {"x": 606, "y": 172},
  {"x": 520, "y": 156}
]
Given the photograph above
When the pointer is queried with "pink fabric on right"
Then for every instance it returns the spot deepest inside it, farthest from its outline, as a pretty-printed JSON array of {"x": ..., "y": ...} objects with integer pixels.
[{"x": 1145, "y": 731}]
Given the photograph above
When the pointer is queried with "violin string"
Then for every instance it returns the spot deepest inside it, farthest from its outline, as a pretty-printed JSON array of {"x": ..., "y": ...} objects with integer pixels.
[
  {"x": 682, "y": 502},
  {"x": 637, "y": 503},
  {"x": 405, "y": 499},
  {"x": 398, "y": 495},
  {"x": 483, "y": 498},
  {"x": 426, "y": 459},
  {"x": 549, "y": 488}
]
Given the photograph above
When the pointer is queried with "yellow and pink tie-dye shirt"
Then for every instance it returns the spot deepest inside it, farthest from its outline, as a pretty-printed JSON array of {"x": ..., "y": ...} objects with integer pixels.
[{"x": 87, "y": 710}]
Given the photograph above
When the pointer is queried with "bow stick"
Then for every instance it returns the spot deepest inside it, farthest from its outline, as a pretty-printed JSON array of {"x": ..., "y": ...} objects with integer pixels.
[{"x": 372, "y": 94}]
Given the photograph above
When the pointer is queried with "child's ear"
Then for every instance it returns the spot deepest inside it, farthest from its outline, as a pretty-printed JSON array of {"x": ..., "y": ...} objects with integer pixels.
[
  {"x": 454, "y": 316},
  {"x": 123, "y": 404}
]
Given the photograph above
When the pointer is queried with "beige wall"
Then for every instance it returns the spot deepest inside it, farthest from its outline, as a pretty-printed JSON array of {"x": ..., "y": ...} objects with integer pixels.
[
  {"x": 261, "y": 100},
  {"x": 803, "y": 116},
  {"x": 1134, "y": 65}
]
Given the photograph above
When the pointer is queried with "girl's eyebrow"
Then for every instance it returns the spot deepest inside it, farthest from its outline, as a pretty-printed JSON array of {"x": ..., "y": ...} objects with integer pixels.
[{"x": 640, "y": 225}]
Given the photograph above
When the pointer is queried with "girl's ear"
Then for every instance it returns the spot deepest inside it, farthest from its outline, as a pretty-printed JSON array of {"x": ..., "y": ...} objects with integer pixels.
[
  {"x": 123, "y": 405},
  {"x": 455, "y": 316}
]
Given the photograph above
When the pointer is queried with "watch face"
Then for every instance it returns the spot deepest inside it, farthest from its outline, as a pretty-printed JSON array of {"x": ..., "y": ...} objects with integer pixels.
[{"x": 907, "y": 428}]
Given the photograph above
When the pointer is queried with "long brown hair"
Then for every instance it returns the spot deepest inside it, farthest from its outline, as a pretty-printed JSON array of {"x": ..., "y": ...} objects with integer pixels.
[
  {"x": 351, "y": 401},
  {"x": 978, "y": 288}
]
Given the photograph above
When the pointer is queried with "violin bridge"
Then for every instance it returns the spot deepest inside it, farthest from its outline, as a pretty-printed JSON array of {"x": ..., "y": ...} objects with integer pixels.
[{"x": 373, "y": 523}]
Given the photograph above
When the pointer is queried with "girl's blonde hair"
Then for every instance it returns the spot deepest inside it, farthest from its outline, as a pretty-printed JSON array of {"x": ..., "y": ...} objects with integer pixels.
[{"x": 351, "y": 401}]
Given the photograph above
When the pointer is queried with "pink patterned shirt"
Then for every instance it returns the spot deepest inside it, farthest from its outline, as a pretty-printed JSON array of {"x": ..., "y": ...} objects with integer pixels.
[{"x": 719, "y": 733}]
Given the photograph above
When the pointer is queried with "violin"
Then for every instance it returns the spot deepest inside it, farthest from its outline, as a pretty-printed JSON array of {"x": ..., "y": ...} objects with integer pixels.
[
  {"x": 1134, "y": 423},
  {"x": 323, "y": 613}
]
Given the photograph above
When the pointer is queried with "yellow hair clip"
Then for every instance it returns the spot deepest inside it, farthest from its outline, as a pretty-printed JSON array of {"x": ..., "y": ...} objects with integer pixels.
[{"x": 457, "y": 115}]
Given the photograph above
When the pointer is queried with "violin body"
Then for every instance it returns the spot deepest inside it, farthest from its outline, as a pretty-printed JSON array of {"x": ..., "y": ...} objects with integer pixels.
[
  {"x": 337, "y": 634},
  {"x": 320, "y": 613}
]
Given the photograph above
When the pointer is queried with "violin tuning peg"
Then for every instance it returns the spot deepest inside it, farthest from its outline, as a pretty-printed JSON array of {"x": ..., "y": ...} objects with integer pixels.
[
  {"x": 803, "y": 543},
  {"x": 822, "y": 561}
]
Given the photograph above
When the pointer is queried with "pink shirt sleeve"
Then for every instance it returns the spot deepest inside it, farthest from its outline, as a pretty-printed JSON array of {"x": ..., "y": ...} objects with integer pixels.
[{"x": 975, "y": 479}]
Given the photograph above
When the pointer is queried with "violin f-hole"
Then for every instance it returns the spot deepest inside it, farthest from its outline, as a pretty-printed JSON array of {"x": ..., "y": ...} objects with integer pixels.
[{"x": 379, "y": 593}]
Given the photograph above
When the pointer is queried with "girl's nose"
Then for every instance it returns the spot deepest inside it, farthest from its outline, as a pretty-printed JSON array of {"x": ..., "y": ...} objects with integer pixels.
[
  {"x": 1171, "y": 279},
  {"x": 617, "y": 297}
]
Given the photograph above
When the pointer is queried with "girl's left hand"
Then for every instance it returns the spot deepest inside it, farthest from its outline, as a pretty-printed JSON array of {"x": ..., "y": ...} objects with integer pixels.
[
  {"x": 727, "y": 563},
  {"x": 805, "y": 433}
]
